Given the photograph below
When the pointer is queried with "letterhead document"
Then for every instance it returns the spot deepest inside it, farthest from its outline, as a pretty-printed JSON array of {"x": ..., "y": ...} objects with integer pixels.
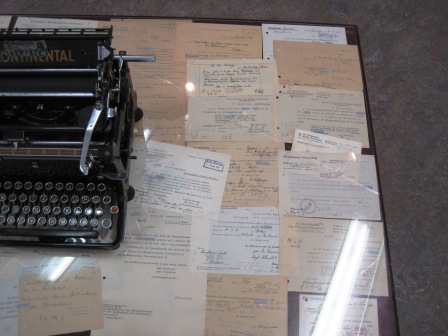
[
  {"x": 308, "y": 190},
  {"x": 183, "y": 180},
  {"x": 318, "y": 142},
  {"x": 242, "y": 241},
  {"x": 246, "y": 305},
  {"x": 332, "y": 66},
  {"x": 301, "y": 33},
  {"x": 253, "y": 172},
  {"x": 310, "y": 249},
  {"x": 361, "y": 316},
  {"x": 339, "y": 113}
]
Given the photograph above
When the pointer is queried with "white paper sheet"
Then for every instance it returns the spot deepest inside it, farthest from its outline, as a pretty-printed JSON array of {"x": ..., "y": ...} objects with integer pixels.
[
  {"x": 242, "y": 241},
  {"x": 317, "y": 142},
  {"x": 302, "y": 33},
  {"x": 36, "y": 22},
  {"x": 313, "y": 196},
  {"x": 4, "y": 21},
  {"x": 184, "y": 180}
]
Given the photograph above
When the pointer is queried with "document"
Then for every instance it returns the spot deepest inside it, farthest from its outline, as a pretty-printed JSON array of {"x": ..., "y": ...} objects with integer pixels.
[
  {"x": 306, "y": 191},
  {"x": 332, "y": 66},
  {"x": 183, "y": 180},
  {"x": 361, "y": 317},
  {"x": 339, "y": 113},
  {"x": 301, "y": 33},
  {"x": 70, "y": 303},
  {"x": 253, "y": 172},
  {"x": 4, "y": 21},
  {"x": 37, "y": 22},
  {"x": 310, "y": 250},
  {"x": 248, "y": 77},
  {"x": 216, "y": 41},
  {"x": 242, "y": 241},
  {"x": 151, "y": 267},
  {"x": 246, "y": 305},
  {"x": 318, "y": 142}
]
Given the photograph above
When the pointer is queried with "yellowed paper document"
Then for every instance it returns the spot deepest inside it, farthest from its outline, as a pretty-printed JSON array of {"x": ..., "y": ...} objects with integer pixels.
[{"x": 318, "y": 142}]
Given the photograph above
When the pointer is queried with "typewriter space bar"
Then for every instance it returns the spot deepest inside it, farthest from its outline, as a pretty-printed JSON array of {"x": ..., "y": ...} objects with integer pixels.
[{"x": 38, "y": 233}]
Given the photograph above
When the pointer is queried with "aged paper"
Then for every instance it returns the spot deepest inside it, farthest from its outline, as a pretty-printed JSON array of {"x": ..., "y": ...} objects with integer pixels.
[
  {"x": 246, "y": 305},
  {"x": 216, "y": 41},
  {"x": 332, "y": 66},
  {"x": 4, "y": 21},
  {"x": 248, "y": 77},
  {"x": 242, "y": 241},
  {"x": 253, "y": 171},
  {"x": 309, "y": 195},
  {"x": 301, "y": 33},
  {"x": 317, "y": 142},
  {"x": 310, "y": 249},
  {"x": 361, "y": 316},
  {"x": 339, "y": 113},
  {"x": 73, "y": 302},
  {"x": 151, "y": 267},
  {"x": 36, "y": 22},
  {"x": 183, "y": 180}
]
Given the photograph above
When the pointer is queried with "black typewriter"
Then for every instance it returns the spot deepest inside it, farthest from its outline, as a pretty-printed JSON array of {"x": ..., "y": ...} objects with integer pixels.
[{"x": 67, "y": 113}]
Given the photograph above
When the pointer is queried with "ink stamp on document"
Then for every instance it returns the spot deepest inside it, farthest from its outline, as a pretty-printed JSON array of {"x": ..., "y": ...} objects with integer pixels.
[{"x": 214, "y": 165}]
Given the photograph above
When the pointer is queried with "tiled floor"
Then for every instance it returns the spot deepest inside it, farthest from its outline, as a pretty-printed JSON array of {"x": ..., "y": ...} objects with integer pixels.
[{"x": 405, "y": 51}]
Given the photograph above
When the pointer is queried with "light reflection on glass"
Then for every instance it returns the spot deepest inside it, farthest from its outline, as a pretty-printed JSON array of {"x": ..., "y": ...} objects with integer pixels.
[
  {"x": 189, "y": 87},
  {"x": 62, "y": 264}
]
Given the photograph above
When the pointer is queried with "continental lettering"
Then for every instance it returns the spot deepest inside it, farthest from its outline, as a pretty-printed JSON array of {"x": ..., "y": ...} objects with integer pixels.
[{"x": 51, "y": 56}]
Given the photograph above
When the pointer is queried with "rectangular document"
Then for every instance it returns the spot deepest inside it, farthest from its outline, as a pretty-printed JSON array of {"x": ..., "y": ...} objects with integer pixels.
[
  {"x": 246, "y": 305},
  {"x": 301, "y": 33},
  {"x": 317, "y": 142},
  {"x": 332, "y": 66},
  {"x": 361, "y": 317},
  {"x": 184, "y": 180},
  {"x": 242, "y": 241},
  {"x": 318, "y": 195},
  {"x": 339, "y": 113},
  {"x": 310, "y": 249},
  {"x": 253, "y": 172},
  {"x": 37, "y": 22},
  {"x": 4, "y": 21}
]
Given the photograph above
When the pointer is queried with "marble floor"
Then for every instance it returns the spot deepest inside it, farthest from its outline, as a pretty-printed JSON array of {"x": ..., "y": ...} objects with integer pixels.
[{"x": 405, "y": 52}]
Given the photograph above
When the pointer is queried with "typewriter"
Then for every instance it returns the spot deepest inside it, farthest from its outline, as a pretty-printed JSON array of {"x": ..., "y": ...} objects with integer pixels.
[{"x": 67, "y": 113}]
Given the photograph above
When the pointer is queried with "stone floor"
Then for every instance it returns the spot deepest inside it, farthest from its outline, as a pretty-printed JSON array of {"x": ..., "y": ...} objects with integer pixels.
[{"x": 405, "y": 50}]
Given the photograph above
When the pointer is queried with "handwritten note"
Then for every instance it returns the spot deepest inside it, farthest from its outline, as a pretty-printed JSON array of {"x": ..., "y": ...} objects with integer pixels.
[
  {"x": 69, "y": 304},
  {"x": 316, "y": 142},
  {"x": 246, "y": 305},
  {"x": 332, "y": 66}
]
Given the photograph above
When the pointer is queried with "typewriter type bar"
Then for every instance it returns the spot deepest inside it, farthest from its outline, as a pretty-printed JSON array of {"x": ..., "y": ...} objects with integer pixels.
[{"x": 68, "y": 110}]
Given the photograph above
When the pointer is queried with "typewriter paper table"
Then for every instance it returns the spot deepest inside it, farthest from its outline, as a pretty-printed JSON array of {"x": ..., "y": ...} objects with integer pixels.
[{"x": 257, "y": 208}]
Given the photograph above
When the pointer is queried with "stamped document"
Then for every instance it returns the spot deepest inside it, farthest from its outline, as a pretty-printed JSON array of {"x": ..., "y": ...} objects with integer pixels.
[
  {"x": 310, "y": 249},
  {"x": 332, "y": 66},
  {"x": 301, "y": 33},
  {"x": 253, "y": 172},
  {"x": 315, "y": 193},
  {"x": 305, "y": 141},
  {"x": 361, "y": 316},
  {"x": 243, "y": 241},
  {"x": 246, "y": 305},
  {"x": 36, "y": 22},
  {"x": 184, "y": 180},
  {"x": 339, "y": 113}
]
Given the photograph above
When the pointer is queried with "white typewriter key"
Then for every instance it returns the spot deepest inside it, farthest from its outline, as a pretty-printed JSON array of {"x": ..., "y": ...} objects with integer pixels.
[
  {"x": 69, "y": 186},
  {"x": 2, "y": 197},
  {"x": 5, "y": 208},
  {"x": 23, "y": 198},
  {"x": 56, "y": 210},
  {"x": 31, "y": 220},
  {"x": 77, "y": 211},
  {"x": 106, "y": 223},
  {"x": 64, "y": 199},
  {"x": 54, "y": 198},
  {"x": 96, "y": 199},
  {"x": 28, "y": 185},
  {"x": 42, "y": 221},
  {"x": 2, "y": 219},
  {"x": 52, "y": 221},
  {"x": 80, "y": 186},
  {"x": 15, "y": 209},
  {"x": 59, "y": 186},
  {"x": 12, "y": 197},
  {"x": 46, "y": 210},
  {"x": 21, "y": 220},
  {"x": 26, "y": 209},
  {"x": 101, "y": 187},
  {"x": 88, "y": 211},
  {"x": 94, "y": 222},
  {"x": 33, "y": 198},
  {"x": 67, "y": 210},
  {"x": 43, "y": 198},
  {"x": 11, "y": 220},
  {"x": 48, "y": 185},
  {"x": 36, "y": 210},
  {"x": 106, "y": 200},
  {"x": 85, "y": 199},
  {"x": 18, "y": 185},
  {"x": 98, "y": 211},
  {"x": 7, "y": 185},
  {"x": 38, "y": 186},
  {"x": 90, "y": 187},
  {"x": 62, "y": 221},
  {"x": 75, "y": 199},
  {"x": 72, "y": 222},
  {"x": 83, "y": 222}
]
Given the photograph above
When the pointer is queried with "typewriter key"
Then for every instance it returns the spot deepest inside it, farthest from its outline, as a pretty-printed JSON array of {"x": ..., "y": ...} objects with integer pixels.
[
  {"x": 54, "y": 198},
  {"x": 28, "y": 185},
  {"x": 23, "y": 198},
  {"x": 88, "y": 211},
  {"x": 12, "y": 197},
  {"x": 21, "y": 220},
  {"x": 7, "y": 185},
  {"x": 11, "y": 220},
  {"x": 5, "y": 209},
  {"x": 26, "y": 209},
  {"x": 101, "y": 187},
  {"x": 114, "y": 209},
  {"x": 69, "y": 186},
  {"x": 98, "y": 211},
  {"x": 80, "y": 187},
  {"x": 64, "y": 199},
  {"x": 48, "y": 185},
  {"x": 56, "y": 210},
  {"x": 94, "y": 222},
  {"x": 31, "y": 220},
  {"x": 36, "y": 210},
  {"x": 2, "y": 197},
  {"x": 43, "y": 198},
  {"x": 2, "y": 219},
  {"x": 67, "y": 211},
  {"x": 72, "y": 222},
  {"x": 18, "y": 185},
  {"x": 96, "y": 199},
  {"x": 52, "y": 221},
  {"x": 59, "y": 186},
  {"x": 77, "y": 211},
  {"x": 90, "y": 187},
  {"x": 85, "y": 199},
  {"x": 106, "y": 200},
  {"x": 106, "y": 223},
  {"x": 38, "y": 186},
  {"x": 46, "y": 210},
  {"x": 83, "y": 221},
  {"x": 42, "y": 221},
  {"x": 15, "y": 209},
  {"x": 33, "y": 198},
  {"x": 62, "y": 221},
  {"x": 75, "y": 199}
]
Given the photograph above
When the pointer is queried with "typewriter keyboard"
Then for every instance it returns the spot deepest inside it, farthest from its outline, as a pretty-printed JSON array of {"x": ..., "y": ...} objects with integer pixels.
[{"x": 64, "y": 212}]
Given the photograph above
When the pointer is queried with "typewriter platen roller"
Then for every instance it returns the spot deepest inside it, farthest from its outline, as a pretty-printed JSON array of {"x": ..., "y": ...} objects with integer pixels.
[{"x": 67, "y": 113}]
